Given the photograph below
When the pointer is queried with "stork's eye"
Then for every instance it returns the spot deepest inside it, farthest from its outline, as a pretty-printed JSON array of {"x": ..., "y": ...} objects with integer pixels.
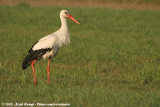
[{"x": 65, "y": 12}]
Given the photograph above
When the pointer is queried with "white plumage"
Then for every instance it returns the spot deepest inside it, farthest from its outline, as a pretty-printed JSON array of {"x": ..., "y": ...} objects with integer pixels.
[{"x": 48, "y": 46}]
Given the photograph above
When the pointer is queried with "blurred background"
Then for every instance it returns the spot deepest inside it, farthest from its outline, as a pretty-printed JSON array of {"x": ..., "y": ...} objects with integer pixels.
[{"x": 134, "y": 4}]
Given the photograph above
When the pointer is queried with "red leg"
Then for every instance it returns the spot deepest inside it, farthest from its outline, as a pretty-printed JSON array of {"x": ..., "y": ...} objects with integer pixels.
[
  {"x": 48, "y": 69},
  {"x": 34, "y": 71}
]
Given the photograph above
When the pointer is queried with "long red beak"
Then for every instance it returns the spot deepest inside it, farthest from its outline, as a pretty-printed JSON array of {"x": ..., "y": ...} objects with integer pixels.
[{"x": 73, "y": 19}]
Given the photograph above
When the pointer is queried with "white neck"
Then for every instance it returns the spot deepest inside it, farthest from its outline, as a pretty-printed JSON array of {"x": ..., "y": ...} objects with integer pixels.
[
  {"x": 64, "y": 25},
  {"x": 64, "y": 32}
]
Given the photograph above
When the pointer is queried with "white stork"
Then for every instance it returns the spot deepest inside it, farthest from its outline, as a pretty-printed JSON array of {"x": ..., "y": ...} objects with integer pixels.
[{"x": 48, "y": 46}]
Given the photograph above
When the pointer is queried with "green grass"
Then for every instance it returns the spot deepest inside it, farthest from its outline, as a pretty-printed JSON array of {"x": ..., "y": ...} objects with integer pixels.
[{"x": 113, "y": 59}]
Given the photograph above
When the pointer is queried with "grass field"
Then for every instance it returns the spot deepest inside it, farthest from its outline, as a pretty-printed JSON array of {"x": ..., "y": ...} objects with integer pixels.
[{"x": 113, "y": 59}]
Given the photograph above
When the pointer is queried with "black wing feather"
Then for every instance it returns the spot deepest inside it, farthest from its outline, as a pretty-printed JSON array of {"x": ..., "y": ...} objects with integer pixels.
[{"x": 33, "y": 55}]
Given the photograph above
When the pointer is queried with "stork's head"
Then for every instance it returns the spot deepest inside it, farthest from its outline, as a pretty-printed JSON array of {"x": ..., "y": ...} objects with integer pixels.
[{"x": 65, "y": 13}]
